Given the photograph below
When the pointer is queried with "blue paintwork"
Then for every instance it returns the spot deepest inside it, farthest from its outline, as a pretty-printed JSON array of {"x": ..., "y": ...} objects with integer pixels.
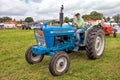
[
  {"x": 49, "y": 36},
  {"x": 51, "y": 32},
  {"x": 45, "y": 23},
  {"x": 39, "y": 50}
]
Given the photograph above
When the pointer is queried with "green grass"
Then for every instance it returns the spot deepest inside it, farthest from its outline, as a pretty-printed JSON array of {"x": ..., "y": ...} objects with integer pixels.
[{"x": 13, "y": 66}]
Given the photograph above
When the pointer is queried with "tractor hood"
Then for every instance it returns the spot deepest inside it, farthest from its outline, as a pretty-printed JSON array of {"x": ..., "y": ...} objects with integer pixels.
[
  {"x": 51, "y": 32},
  {"x": 57, "y": 30}
]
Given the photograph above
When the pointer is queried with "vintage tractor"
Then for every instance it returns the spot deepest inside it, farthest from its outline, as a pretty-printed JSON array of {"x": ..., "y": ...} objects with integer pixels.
[
  {"x": 56, "y": 41},
  {"x": 108, "y": 29}
]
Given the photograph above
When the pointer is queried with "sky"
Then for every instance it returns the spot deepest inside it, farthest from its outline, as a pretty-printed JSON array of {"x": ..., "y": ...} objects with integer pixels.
[{"x": 49, "y": 9}]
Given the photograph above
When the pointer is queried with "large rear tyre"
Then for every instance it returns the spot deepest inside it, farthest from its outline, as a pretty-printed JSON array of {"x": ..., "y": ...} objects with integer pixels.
[
  {"x": 32, "y": 58},
  {"x": 95, "y": 43},
  {"x": 59, "y": 64}
]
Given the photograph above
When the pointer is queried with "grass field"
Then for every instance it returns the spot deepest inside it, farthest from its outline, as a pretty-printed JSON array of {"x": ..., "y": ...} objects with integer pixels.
[{"x": 13, "y": 44}]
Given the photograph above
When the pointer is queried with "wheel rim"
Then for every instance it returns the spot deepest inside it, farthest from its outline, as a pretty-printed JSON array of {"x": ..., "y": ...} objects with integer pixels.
[
  {"x": 35, "y": 57},
  {"x": 99, "y": 44},
  {"x": 61, "y": 64}
]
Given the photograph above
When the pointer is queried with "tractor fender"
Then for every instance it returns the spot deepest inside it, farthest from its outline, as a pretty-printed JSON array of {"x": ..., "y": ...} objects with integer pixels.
[{"x": 87, "y": 31}]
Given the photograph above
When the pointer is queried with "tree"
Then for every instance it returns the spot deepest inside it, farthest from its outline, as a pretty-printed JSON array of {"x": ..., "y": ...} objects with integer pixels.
[
  {"x": 105, "y": 19},
  {"x": 116, "y": 18},
  {"x": 71, "y": 20},
  {"x": 96, "y": 15},
  {"x": 5, "y": 19},
  {"x": 93, "y": 15},
  {"x": 1, "y": 20},
  {"x": 66, "y": 19},
  {"x": 29, "y": 19},
  {"x": 108, "y": 19},
  {"x": 86, "y": 17}
]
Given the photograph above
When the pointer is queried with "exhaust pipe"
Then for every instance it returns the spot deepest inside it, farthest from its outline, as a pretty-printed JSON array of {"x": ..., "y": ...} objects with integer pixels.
[{"x": 61, "y": 16}]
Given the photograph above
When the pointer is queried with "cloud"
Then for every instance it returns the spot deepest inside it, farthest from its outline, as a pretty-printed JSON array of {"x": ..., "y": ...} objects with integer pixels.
[
  {"x": 49, "y": 9},
  {"x": 36, "y": 1},
  {"x": 14, "y": 7}
]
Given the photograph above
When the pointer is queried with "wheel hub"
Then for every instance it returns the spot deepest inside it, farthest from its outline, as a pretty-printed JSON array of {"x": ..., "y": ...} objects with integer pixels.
[
  {"x": 61, "y": 64},
  {"x": 35, "y": 57},
  {"x": 99, "y": 44}
]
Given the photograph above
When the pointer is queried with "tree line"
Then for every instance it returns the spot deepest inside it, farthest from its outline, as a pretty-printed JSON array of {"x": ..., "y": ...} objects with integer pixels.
[
  {"x": 7, "y": 19},
  {"x": 94, "y": 15}
]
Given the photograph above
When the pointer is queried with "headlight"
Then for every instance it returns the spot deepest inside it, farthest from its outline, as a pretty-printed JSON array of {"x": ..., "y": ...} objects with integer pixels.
[
  {"x": 42, "y": 44},
  {"x": 40, "y": 38},
  {"x": 39, "y": 44}
]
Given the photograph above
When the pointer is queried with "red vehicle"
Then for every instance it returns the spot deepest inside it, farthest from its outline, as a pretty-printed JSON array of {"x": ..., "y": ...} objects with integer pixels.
[
  {"x": 108, "y": 29},
  {"x": 26, "y": 26}
]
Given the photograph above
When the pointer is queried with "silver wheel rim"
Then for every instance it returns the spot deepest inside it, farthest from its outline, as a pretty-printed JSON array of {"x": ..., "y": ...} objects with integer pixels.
[
  {"x": 99, "y": 44},
  {"x": 61, "y": 64},
  {"x": 35, "y": 58}
]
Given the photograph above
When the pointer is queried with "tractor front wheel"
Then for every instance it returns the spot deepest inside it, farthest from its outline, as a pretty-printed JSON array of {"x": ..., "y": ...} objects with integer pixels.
[
  {"x": 32, "y": 58},
  {"x": 59, "y": 63}
]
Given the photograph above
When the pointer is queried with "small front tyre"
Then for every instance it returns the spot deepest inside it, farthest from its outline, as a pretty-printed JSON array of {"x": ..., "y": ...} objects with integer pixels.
[
  {"x": 59, "y": 64},
  {"x": 32, "y": 58}
]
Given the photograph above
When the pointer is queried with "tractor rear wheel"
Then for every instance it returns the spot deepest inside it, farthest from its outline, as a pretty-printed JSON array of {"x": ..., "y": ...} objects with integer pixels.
[
  {"x": 32, "y": 58},
  {"x": 59, "y": 63},
  {"x": 95, "y": 42}
]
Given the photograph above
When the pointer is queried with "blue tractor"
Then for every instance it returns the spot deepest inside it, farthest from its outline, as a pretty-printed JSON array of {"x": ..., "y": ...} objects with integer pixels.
[{"x": 56, "y": 41}]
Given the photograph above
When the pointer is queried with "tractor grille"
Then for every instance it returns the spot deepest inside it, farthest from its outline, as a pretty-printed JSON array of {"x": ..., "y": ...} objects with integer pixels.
[{"x": 40, "y": 38}]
